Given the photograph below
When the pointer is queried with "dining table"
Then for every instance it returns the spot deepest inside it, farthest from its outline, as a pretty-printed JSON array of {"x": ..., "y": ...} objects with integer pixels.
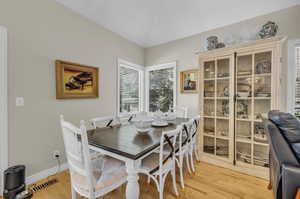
[{"x": 125, "y": 143}]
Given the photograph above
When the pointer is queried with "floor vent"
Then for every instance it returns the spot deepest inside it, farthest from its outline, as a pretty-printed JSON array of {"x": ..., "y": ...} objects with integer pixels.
[{"x": 36, "y": 188}]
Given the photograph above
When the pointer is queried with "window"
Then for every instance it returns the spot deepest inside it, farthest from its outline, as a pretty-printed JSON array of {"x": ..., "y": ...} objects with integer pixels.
[
  {"x": 297, "y": 86},
  {"x": 293, "y": 77},
  {"x": 130, "y": 87},
  {"x": 161, "y": 87}
]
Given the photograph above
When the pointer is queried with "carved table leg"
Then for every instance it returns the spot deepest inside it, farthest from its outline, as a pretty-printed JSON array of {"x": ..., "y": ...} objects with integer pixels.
[{"x": 132, "y": 188}]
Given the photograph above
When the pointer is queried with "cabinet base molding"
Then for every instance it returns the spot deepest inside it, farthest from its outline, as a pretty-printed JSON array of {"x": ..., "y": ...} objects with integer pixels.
[{"x": 245, "y": 169}]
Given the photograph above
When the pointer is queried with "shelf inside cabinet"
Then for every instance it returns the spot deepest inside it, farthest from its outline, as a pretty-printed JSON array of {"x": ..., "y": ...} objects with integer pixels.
[
  {"x": 222, "y": 127},
  {"x": 244, "y": 65},
  {"x": 209, "y": 107},
  {"x": 209, "y": 69},
  {"x": 263, "y": 75},
  {"x": 244, "y": 130},
  {"x": 222, "y": 147},
  {"x": 243, "y": 109},
  {"x": 263, "y": 62},
  {"x": 209, "y": 79},
  {"x": 243, "y": 152},
  {"x": 222, "y": 78},
  {"x": 209, "y": 145},
  {"x": 209, "y": 88},
  {"x": 260, "y": 155},
  {"x": 223, "y": 68}
]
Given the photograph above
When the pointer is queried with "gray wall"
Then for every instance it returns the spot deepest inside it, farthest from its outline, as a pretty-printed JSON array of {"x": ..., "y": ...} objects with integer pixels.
[
  {"x": 41, "y": 31},
  {"x": 183, "y": 50}
]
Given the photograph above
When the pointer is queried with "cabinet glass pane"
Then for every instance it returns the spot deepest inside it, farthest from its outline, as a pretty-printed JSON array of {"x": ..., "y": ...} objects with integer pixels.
[
  {"x": 209, "y": 88},
  {"x": 209, "y": 69},
  {"x": 243, "y": 109},
  {"x": 222, "y": 148},
  {"x": 244, "y": 87},
  {"x": 209, "y": 126},
  {"x": 223, "y": 88},
  {"x": 222, "y": 127},
  {"x": 243, "y": 130},
  {"x": 263, "y": 62},
  {"x": 262, "y": 86},
  {"x": 209, "y": 107},
  {"x": 223, "y": 68},
  {"x": 223, "y": 108},
  {"x": 244, "y": 65},
  {"x": 209, "y": 145},
  {"x": 260, "y": 156},
  {"x": 260, "y": 133},
  {"x": 261, "y": 106},
  {"x": 243, "y": 152}
]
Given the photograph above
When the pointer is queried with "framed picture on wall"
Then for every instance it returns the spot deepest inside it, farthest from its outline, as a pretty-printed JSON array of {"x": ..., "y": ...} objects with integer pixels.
[
  {"x": 189, "y": 81},
  {"x": 75, "y": 81}
]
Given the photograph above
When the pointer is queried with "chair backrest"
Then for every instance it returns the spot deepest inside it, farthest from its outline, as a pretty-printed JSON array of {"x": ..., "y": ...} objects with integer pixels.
[
  {"x": 168, "y": 138},
  {"x": 181, "y": 111},
  {"x": 77, "y": 151},
  {"x": 125, "y": 118},
  {"x": 195, "y": 126},
  {"x": 103, "y": 121},
  {"x": 187, "y": 130}
]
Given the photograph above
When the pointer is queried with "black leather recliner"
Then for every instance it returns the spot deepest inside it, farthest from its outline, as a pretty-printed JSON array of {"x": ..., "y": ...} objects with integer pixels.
[{"x": 283, "y": 131}]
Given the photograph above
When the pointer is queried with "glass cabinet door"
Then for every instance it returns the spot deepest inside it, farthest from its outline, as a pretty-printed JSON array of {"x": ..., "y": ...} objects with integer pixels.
[
  {"x": 253, "y": 98},
  {"x": 216, "y": 107}
]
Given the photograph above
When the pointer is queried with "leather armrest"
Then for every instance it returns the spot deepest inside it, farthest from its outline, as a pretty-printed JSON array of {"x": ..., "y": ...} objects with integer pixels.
[{"x": 290, "y": 181}]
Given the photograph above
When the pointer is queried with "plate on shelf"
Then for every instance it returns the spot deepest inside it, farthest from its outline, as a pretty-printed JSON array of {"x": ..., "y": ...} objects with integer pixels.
[
  {"x": 160, "y": 124},
  {"x": 263, "y": 94}
]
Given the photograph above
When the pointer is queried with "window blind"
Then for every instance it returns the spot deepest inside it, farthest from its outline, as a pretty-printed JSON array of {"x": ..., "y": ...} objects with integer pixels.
[
  {"x": 129, "y": 89},
  {"x": 297, "y": 87}
]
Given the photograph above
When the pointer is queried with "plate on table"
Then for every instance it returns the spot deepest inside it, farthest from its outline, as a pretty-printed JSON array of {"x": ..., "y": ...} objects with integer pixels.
[{"x": 160, "y": 124}]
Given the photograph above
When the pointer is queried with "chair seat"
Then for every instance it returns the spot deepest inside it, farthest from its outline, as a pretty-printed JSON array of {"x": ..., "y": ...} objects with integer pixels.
[
  {"x": 151, "y": 162},
  {"x": 110, "y": 172}
]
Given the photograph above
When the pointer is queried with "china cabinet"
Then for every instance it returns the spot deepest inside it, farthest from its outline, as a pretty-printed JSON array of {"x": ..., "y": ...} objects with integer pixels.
[{"x": 237, "y": 85}]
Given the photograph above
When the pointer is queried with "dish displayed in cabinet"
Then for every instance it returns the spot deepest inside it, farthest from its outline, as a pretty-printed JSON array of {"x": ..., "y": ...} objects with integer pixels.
[
  {"x": 244, "y": 157},
  {"x": 259, "y": 133}
]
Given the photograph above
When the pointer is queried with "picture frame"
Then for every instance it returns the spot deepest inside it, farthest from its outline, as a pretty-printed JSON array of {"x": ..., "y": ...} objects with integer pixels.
[
  {"x": 189, "y": 81},
  {"x": 75, "y": 81}
]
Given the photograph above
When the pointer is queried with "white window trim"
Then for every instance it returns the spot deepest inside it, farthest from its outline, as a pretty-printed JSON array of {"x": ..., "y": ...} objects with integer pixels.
[
  {"x": 3, "y": 105},
  {"x": 291, "y": 74},
  {"x": 159, "y": 67},
  {"x": 141, "y": 70}
]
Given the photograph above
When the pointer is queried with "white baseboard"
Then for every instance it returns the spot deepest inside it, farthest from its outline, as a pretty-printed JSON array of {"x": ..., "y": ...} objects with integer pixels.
[{"x": 44, "y": 174}]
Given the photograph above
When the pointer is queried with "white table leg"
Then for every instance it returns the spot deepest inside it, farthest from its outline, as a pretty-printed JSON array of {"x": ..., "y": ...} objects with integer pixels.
[{"x": 132, "y": 188}]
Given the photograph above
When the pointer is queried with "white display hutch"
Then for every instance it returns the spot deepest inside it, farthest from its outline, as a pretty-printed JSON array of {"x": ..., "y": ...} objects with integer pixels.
[{"x": 237, "y": 84}]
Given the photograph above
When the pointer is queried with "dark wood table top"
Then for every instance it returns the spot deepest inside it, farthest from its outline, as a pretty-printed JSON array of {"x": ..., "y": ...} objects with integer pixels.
[{"x": 126, "y": 141}]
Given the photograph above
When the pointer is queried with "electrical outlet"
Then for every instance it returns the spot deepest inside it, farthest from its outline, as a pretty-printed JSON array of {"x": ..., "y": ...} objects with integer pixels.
[{"x": 56, "y": 154}]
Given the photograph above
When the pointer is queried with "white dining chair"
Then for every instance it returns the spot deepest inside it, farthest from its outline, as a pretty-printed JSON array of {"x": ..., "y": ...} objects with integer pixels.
[
  {"x": 90, "y": 179},
  {"x": 158, "y": 165},
  {"x": 181, "y": 111},
  {"x": 193, "y": 141},
  {"x": 125, "y": 118},
  {"x": 196, "y": 137},
  {"x": 182, "y": 150},
  {"x": 106, "y": 121}
]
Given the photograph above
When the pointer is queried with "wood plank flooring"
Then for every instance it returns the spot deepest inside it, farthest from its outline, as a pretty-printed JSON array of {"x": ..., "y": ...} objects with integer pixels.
[{"x": 209, "y": 182}]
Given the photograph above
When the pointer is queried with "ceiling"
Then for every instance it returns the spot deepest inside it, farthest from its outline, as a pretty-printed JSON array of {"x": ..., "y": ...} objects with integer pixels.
[{"x": 153, "y": 22}]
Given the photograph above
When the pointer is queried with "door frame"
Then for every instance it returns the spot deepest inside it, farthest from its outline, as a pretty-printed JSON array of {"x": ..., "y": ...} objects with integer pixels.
[{"x": 3, "y": 105}]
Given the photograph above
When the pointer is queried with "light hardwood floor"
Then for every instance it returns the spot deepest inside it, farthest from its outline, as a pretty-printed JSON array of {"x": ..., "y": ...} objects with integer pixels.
[{"x": 209, "y": 182}]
